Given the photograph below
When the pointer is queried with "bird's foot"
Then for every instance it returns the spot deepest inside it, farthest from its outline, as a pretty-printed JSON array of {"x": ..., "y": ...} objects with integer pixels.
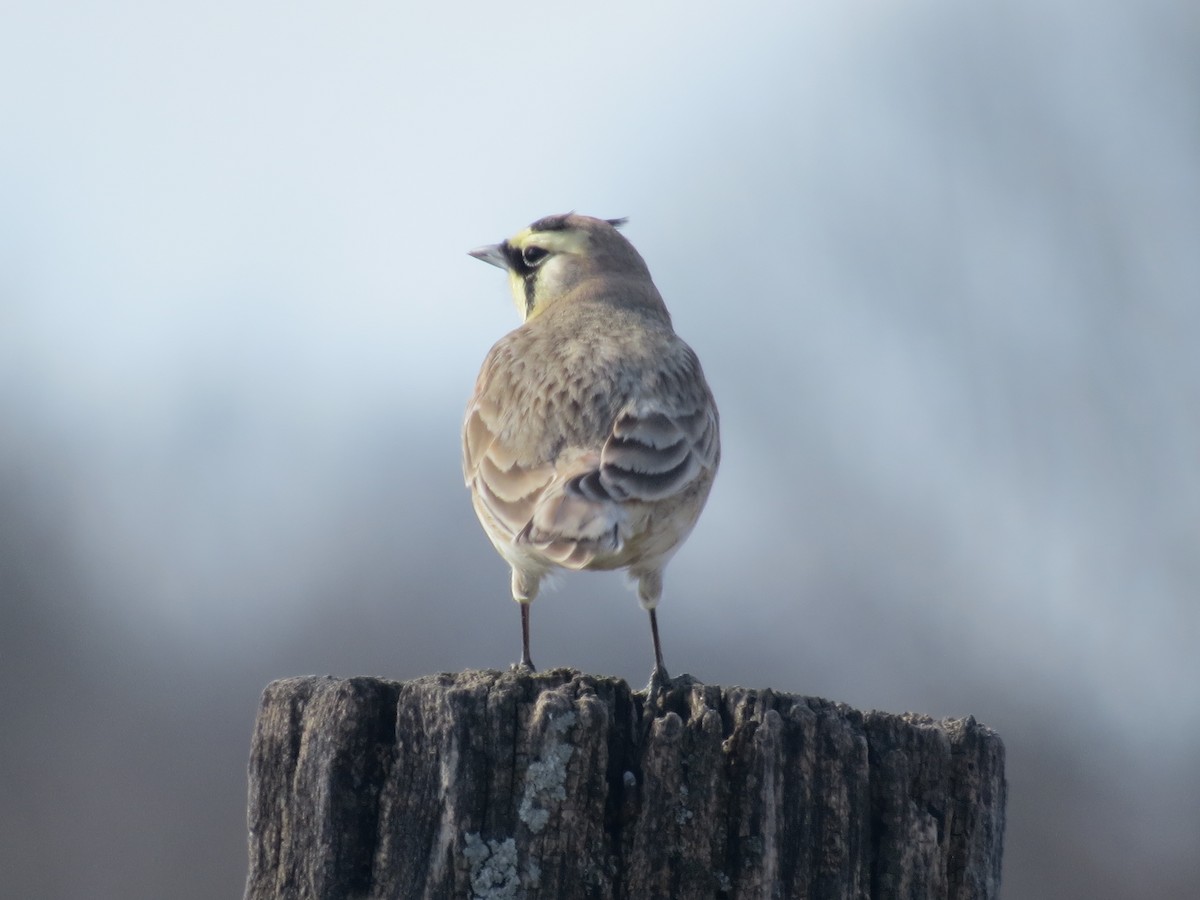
[
  {"x": 655, "y": 705},
  {"x": 656, "y": 693},
  {"x": 660, "y": 681}
]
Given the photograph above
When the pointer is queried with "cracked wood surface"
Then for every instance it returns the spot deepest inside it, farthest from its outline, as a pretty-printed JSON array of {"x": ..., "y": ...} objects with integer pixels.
[{"x": 515, "y": 786}]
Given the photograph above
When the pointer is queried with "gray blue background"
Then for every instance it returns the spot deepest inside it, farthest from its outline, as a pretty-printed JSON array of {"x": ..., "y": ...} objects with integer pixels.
[{"x": 941, "y": 262}]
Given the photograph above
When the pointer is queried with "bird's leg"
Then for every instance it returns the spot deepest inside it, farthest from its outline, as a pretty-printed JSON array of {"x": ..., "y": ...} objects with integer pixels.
[
  {"x": 524, "y": 589},
  {"x": 656, "y": 691},
  {"x": 649, "y": 590},
  {"x": 658, "y": 660},
  {"x": 659, "y": 679},
  {"x": 526, "y": 662}
]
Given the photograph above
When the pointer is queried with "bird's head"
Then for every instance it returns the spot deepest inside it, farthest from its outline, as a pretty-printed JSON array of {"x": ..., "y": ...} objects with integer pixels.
[{"x": 554, "y": 255}]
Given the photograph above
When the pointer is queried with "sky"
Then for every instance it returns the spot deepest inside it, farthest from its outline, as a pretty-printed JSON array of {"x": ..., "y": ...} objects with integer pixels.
[{"x": 938, "y": 262}]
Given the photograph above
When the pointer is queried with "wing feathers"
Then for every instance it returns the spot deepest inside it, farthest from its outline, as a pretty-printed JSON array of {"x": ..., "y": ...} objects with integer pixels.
[
  {"x": 635, "y": 455},
  {"x": 514, "y": 483},
  {"x": 508, "y": 491},
  {"x": 655, "y": 429},
  {"x": 654, "y": 455},
  {"x": 629, "y": 484},
  {"x": 572, "y": 509},
  {"x": 511, "y": 515}
]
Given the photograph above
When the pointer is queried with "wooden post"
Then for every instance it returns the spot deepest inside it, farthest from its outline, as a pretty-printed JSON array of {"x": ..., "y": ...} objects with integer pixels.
[{"x": 557, "y": 785}]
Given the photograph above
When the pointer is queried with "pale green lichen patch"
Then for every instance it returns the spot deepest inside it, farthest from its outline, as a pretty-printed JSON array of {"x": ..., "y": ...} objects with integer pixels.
[
  {"x": 493, "y": 868},
  {"x": 546, "y": 776}
]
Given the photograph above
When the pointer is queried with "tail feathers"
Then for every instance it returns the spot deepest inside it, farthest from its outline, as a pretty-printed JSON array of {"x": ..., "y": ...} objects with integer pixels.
[{"x": 572, "y": 530}]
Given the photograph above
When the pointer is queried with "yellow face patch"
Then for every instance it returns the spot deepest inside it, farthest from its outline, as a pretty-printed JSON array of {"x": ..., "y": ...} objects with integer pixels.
[
  {"x": 516, "y": 284},
  {"x": 565, "y": 241},
  {"x": 525, "y": 284}
]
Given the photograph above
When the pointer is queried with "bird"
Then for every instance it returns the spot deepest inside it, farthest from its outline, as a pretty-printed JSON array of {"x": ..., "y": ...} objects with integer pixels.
[{"x": 592, "y": 438}]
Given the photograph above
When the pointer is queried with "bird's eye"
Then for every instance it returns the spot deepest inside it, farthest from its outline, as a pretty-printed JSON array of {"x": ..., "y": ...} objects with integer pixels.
[{"x": 534, "y": 256}]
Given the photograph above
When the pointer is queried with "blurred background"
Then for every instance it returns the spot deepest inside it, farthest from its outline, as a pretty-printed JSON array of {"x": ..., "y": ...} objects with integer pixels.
[{"x": 941, "y": 263}]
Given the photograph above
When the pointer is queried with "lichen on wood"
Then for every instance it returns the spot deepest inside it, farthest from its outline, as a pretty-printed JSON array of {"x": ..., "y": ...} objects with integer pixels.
[{"x": 511, "y": 785}]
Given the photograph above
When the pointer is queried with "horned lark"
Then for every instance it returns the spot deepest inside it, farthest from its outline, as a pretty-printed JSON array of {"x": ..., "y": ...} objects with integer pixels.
[{"x": 591, "y": 440}]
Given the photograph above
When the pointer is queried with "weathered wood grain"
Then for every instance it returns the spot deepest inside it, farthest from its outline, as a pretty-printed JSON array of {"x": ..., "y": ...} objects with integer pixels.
[{"x": 505, "y": 785}]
